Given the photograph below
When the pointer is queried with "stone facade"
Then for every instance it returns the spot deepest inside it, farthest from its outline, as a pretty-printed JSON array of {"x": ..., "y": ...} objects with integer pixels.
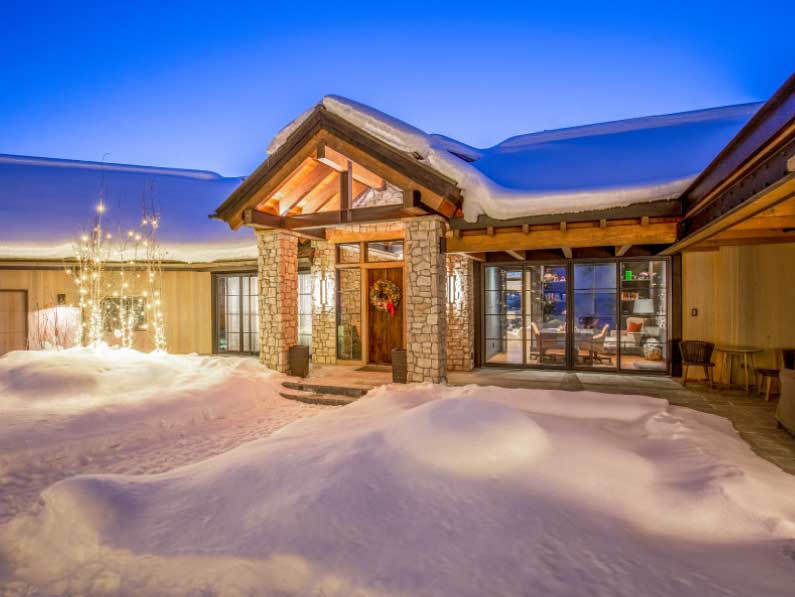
[
  {"x": 278, "y": 296},
  {"x": 425, "y": 300},
  {"x": 460, "y": 314},
  {"x": 324, "y": 315}
]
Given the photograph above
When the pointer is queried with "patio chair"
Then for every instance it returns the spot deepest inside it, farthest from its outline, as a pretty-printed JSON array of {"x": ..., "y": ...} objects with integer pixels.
[
  {"x": 768, "y": 376},
  {"x": 594, "y": 347},
  {"x": 698, "y": 353}
]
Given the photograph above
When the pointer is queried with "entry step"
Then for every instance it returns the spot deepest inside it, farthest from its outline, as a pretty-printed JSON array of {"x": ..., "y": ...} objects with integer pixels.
[
  {"x": 324, "y": 399},
  {"x": 347, "y": 391}
]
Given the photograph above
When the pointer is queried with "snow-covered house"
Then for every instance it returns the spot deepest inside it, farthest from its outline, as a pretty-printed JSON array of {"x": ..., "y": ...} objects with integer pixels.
[
  {"x": 593, "y": 247},
  {"x": 45, "y": 204},
  {"x": 557, "y": 249}
]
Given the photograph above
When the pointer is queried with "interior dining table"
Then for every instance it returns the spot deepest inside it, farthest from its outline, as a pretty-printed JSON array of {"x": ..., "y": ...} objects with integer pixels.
[{"x": 729, "y": 353}]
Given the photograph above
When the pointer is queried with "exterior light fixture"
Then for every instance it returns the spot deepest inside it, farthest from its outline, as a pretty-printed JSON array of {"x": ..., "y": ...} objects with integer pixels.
[
  {"x": 323, "y": 291},
  {"x": 452, "y": 290}
]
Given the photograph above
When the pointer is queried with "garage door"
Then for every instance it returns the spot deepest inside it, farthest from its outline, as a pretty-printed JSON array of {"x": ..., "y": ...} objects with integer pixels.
[{"x": 13, "y": 320}]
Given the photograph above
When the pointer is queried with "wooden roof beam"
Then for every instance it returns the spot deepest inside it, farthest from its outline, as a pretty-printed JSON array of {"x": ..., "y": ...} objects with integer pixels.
[
  {"x": 567, "y": 252},
  {"x": 334, "y": 159},
  {"x": 622, "y": 250},
  {"x": 518, "y": 255},
  {"x": 298, "y": 186},
  {"x": 321, "y": 194},
  {"x": 593, "y": 236}
]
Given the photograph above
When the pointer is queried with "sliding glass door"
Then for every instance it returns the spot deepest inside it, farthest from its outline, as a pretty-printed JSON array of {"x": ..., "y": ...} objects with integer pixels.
[
  {"x": 594, "y": 315},
  {"x": 597, "y": 314},
  {"x": 545, "y": 308},
  {"x": 644, "y": 321},
  {"x": 525, "y": 315},
  {"x": 504, "y": 319}
]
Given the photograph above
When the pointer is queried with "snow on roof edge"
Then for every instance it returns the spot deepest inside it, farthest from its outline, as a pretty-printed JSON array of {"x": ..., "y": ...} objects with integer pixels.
[
  {"x": 24, "y": 160},
  {"x": 629, "y": 124}
]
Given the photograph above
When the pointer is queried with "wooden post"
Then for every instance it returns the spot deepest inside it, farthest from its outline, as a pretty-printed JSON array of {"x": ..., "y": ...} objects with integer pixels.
[{"x": 346, "y": 191}]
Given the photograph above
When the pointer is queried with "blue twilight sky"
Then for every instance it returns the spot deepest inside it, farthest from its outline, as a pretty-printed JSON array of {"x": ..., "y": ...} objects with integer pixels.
[{"x": 207, "y": 84}]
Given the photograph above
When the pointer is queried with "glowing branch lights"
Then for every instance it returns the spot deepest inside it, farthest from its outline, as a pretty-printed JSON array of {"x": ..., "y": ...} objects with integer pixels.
[{"x": 120, "y": 283}]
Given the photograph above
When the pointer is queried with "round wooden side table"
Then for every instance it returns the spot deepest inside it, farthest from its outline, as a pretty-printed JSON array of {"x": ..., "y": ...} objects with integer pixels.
[{"x": 746, "y": 353}]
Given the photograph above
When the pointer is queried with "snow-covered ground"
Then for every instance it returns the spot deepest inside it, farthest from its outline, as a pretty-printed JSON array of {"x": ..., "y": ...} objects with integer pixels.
[
  {"x": 121, "y": 411},
  {"x": 413, "y": 490}
]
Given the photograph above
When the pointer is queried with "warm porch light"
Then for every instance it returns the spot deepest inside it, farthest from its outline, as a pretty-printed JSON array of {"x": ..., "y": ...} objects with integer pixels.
[
  {"x": 452, "y": 289},
  {"x": 323, "y": 291}
]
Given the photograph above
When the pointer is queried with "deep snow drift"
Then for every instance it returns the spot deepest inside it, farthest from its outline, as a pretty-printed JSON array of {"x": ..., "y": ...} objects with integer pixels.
[
  {"x": 78, "y": 411},
  {"x": 427, "y": 490}
]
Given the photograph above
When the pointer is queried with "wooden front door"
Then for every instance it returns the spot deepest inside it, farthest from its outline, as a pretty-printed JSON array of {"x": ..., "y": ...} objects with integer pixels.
[
  {"x": 13, "y": 320},
  {"x": 386, "y": 331}
]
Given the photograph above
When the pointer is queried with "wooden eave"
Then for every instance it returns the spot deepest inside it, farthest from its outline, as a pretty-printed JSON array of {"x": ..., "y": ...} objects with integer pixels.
[
  {"x": 762, "y": 135},
  {"x": 619, "y": 234},
  {"x": 670, "y": 208},
  {"x": 322, "y": 128}
]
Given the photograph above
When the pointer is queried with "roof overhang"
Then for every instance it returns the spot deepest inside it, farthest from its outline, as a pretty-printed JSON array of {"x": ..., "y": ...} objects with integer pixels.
[
  {"x": 321, "y": 134},
  {"x": 738, "y": 198}
]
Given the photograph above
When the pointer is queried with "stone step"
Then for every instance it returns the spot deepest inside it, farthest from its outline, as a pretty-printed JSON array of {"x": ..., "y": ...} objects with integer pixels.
[
  {"x": 350, "y": 392},
  {"x": 324, "y": 399}
]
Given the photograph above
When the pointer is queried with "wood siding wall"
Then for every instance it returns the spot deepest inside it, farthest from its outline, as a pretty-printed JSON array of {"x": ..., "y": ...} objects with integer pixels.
[
  {"x": 187, "y": 300},
  {"x": 745, "y": 295}
]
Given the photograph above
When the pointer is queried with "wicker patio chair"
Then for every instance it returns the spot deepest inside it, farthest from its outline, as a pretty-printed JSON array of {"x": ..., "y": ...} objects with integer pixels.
[{"x": 699, "y": 354}]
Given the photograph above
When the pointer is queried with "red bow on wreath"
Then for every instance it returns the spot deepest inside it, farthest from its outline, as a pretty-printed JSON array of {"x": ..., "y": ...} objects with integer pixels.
[{"x": 385, "y": 296}]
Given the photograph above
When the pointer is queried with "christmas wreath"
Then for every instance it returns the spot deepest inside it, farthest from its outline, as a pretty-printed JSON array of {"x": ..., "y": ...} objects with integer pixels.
[{"x": 385, "y": 296}]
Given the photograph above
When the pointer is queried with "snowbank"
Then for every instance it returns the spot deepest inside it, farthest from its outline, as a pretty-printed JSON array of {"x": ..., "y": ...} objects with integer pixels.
[
  {"x": 81, "y": 391},
  {"x": 425, "y": 490},
  {"x": 571, "y": 170}
]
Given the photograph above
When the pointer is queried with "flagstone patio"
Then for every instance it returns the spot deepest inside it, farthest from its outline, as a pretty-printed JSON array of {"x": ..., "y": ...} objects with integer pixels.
[{"x": 753, "y": 418}]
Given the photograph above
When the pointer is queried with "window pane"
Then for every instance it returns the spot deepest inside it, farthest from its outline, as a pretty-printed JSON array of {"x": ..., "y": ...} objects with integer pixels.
[
  {"x": 349, "y": 314},
  {"x": 349, "y": 253},
  {"x": 305, "y": 308},
  {"x": 594, "y": 315},
  {"x": 545, "y": 315},
  {"x": 643, "y": 330},
  {"x": 390, "y": 250},
  {"x": 232, "y": 285}
]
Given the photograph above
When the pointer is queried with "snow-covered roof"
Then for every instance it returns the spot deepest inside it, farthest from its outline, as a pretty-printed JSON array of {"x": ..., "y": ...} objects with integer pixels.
[
  {"x": 569, "y": 170},
  {"x": 46, "y": 203}
]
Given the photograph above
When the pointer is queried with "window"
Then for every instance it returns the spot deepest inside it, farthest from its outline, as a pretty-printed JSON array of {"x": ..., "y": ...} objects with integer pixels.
[
  {"x": 385, "y": 250},
  {"x": 349, "y": 313},
  {"x": 644, "y": 336},
  {"x": 305, "y": 308},
  {"x": 349, "y": 253},
  {"x": 236, "y": 313},
  {"x": 116, "y": 309}
]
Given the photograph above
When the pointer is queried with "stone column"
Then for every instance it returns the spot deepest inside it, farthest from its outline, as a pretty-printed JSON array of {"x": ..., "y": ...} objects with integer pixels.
[
  {"x": 324, "y": 314},
  {"x": 425, "y": 302},
  {"x": 460, "y": 314},
  {"x": 278, "y": 296}
]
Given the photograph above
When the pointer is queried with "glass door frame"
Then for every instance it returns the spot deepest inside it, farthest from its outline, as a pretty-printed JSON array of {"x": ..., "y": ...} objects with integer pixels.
[
  {"x": 215, "y": 305},
  {"x": 570, "y": 360}
]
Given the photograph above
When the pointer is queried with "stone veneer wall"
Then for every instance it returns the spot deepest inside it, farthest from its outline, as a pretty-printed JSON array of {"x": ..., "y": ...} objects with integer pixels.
[
  {"x": 324, "y": 317},
  {"x": 425, "y": 300},
  {"x": 460, "y": 314},
  {"x": 278, "y": 296}
]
